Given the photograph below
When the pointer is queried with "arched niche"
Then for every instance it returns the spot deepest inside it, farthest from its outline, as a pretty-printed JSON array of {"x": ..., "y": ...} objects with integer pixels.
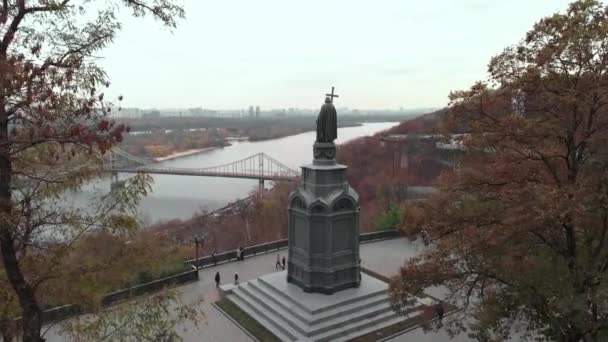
[
  {"x": 297, "y": 203},
  {"x": 318, "y": 208},
  {"x": 344, "y": 204}
]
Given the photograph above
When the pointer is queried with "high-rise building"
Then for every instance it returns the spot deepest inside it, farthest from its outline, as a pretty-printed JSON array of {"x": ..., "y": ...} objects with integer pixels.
[
  {"x": 250, "y": 110},
  {"x": 257, "y": 111}
]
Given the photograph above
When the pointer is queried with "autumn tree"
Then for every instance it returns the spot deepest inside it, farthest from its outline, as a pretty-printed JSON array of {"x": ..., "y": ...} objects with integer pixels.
[
  {"x": 519, "y": 233},
  {"x": 54, "y": 121}
]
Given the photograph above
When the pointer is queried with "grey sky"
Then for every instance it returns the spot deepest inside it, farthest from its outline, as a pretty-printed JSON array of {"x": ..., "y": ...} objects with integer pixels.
[{"x": 288, "y": 53}]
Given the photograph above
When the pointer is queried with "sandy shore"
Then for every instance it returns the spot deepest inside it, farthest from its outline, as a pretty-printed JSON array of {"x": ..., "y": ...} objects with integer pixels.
[{"x": 183, "y": 154}]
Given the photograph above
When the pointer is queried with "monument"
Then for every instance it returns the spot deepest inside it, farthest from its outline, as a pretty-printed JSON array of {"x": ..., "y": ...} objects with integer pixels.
[
  {"x": 323, "y": 225},
  {"x": 323, "y": 295}
]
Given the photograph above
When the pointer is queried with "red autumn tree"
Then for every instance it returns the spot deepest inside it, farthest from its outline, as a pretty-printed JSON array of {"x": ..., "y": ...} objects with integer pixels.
[
  {"x": 53, "y": 118},
  {"x": 520, "y": 231}
]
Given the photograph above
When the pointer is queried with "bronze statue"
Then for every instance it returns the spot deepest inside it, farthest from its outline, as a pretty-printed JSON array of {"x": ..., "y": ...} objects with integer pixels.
[{"x": 327, "y": 124}]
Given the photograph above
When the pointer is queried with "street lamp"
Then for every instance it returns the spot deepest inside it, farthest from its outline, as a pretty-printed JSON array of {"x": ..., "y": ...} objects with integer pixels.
[{"x": 197, "y": 240}]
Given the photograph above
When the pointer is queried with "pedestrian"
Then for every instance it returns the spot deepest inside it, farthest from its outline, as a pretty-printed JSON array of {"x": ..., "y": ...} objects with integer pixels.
[
  {"x": 238, "y": 253},
  {"x": 213, "y": 258},
  {"x": 440, "y": 310},
  {"x": 236, "y": 278},
  {"x": 426, "y": 239},
  {"x": 217, "y": 279},
  {"x": 277, "y": 265},
  {"x": 242, "y": 253},
  {"x": 283, "y": 262}
]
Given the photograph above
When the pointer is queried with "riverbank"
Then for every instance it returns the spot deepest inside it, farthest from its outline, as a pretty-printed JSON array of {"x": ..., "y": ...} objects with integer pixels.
[
  {"x": 296, "y": 132},
  {"x": 182, "y": 196},
  {"x": 185, "y": 153},
  {"x": 190, "y": 152}
]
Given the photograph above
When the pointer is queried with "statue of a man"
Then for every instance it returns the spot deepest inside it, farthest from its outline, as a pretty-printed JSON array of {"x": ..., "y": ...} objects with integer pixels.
[{"x": 327, "y": 125}]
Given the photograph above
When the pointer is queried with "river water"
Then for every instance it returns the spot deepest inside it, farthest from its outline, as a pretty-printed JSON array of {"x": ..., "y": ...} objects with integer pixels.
[{"x": 181, "y": 196}]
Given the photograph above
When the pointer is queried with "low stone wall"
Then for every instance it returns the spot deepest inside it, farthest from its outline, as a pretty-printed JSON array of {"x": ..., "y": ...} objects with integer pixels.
[
  {"x": 153, "y": 286},
  {"x": 375, "y": 275},
  {"x": 272, "y": 246},
  {"x": 62, "y": 312},
  {"x": 381, "y": 235},
  {"x": 59, "y": 313}
]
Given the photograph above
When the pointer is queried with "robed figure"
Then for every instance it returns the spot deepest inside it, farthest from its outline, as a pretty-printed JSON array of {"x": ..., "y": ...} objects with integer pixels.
[{"x": 327, "y": 124}]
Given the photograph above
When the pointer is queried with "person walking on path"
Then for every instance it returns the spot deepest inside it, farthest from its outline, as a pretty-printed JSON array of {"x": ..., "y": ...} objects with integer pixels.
[
  {"x": 236, "y": 278},
  {"x": 217, "y": 279},
  {"x": 277, "y": 265},
  {"x": 238, "y": 253},
  {"x": 213, "y": 258},
  {"x": 283, "y": 262},
  {"x": 440, "y": 311}
]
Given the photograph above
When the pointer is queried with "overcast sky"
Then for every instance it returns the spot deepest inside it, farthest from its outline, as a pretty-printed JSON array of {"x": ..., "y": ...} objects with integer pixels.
[{"x": 288, "y": 53}]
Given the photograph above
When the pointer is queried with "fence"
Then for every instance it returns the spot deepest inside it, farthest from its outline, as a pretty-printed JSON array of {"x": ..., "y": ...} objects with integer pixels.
[
  {"x": 152, "y": 286},
  {"x": 210, "y": 260}
]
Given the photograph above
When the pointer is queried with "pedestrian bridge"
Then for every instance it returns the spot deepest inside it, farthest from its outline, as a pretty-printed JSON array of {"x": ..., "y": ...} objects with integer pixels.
[{"x": 259, "y": 166}]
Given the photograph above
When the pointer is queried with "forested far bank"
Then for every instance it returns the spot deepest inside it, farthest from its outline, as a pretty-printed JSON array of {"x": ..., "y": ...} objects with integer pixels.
[{"x": 162, "y": 136}]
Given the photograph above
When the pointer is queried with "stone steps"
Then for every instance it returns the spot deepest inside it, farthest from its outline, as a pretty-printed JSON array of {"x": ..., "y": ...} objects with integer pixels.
[
  {"x": 354, "y": 312},
  {"x": 325, "y": 308},
  {"x": 263, "y": 318},
  {"x": 245, "y": 293},
  {"x": 353, "y": 318},
  {"x": 293, "y": 315},
  {"x": 355, "y": 328},
  {"x": 374, "y": 327},
  {"x": 309, "y": 319}
]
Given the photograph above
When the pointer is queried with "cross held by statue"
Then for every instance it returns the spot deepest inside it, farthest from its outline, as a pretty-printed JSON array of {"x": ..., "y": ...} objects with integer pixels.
[{"x": 331, "y": 96}]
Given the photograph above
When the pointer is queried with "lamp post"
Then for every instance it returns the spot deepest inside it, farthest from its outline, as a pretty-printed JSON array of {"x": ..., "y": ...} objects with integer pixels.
[{"x": 197, "y": 240}]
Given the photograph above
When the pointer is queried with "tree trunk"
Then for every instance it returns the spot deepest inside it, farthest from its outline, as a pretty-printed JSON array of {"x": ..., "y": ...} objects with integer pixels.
[
  {"x": 31, "y": 315},
  {"x": 571, "y": 336}
]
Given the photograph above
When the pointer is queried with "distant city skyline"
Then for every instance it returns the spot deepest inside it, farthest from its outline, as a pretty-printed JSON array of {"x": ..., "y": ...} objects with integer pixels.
[
  {"x": 134, "y": 112},
  {"x": 385, "y": 54}
]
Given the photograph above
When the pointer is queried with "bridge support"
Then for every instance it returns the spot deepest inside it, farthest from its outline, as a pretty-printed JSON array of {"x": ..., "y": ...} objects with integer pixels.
[
  {"x": 115, "y": 182},
  {"x": 261, "y": 185},
  {"x": 114, "y": 177}
]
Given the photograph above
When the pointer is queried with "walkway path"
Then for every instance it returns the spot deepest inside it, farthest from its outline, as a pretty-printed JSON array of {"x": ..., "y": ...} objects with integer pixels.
[{"x": 384, "y": 257}]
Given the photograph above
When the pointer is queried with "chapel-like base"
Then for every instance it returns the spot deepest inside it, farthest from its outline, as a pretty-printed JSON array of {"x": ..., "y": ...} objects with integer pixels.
[{"x": 294, "y": 315}]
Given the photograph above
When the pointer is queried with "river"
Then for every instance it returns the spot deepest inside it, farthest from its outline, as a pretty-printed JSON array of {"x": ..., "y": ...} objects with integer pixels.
[{"x": 181, "y": 196}]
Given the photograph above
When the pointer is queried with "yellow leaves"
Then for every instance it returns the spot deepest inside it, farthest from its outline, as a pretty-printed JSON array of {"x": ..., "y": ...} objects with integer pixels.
[
  {"x": 100, "y": 263},
  {"x": 157, "y": 150},
  {"x": 122, "y": 223}
]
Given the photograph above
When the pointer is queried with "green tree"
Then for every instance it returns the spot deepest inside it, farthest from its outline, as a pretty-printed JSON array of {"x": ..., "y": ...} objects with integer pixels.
[
  {"x": 391, "y": 219},
  {"x": 520, "y": 232},
  {"x": 53, "y": 120}
]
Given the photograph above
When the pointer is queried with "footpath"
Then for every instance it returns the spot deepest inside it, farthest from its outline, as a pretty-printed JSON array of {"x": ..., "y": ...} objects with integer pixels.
[{"x": 384, "y": 257}]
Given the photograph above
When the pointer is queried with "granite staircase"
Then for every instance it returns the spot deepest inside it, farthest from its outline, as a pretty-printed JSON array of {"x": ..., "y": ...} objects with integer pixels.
[{"x": 291, "y": 320}]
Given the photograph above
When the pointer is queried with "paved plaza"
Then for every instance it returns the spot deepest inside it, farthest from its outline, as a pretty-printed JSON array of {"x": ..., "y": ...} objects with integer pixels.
[{"x": 384, "y": 257}]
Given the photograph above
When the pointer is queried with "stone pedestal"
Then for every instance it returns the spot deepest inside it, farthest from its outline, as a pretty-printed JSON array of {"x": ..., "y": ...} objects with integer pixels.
[
  {"x": 293, "y": 315},
  {"x": 324, "y": 227}
]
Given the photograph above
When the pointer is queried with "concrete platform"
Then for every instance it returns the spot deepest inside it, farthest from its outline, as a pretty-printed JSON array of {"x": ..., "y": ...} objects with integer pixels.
[{"x": 294, "y": 315}]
